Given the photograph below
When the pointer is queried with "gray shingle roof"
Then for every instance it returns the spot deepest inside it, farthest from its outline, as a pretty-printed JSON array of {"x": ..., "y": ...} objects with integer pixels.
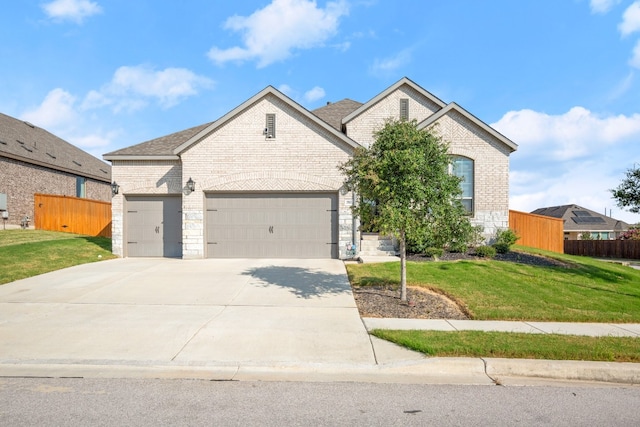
[
  {"x": 577, "y": 218},
  {"x": 23, "y": 141},
  {"x": 333, "y": 113},
  {"x": 159, "y": 147}
]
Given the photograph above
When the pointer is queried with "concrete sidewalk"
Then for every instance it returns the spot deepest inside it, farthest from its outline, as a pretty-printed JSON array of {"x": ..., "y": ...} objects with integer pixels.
[{"x": 587, "y": 329}]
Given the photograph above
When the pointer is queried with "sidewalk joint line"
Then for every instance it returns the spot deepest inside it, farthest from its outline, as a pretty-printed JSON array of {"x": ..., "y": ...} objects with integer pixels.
[{"x": 537, "y": 329}]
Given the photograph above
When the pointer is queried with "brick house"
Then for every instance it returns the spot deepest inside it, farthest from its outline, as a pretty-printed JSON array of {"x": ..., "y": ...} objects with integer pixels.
[
  {"x": 33, "y": 160},
  {"x": 263, "y": 180},
  {"x": 580, "y": 222}
]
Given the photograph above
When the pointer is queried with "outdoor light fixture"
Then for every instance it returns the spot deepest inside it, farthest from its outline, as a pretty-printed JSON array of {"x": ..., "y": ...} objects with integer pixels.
[
  {"x": 114, "y": 188},
  {"x": 191, "y": 186}
]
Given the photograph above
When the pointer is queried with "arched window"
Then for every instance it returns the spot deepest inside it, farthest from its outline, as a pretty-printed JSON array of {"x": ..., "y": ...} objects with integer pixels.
[{"x": 463, "y": 167}]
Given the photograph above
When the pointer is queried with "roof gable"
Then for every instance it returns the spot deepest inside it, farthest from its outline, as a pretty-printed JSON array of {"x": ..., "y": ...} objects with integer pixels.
[
  {"x": 269, "y": 90},
  {"x": 28, "y": 143},
  {"x": 384, "y": 94},
  {"x": 476, "y": 121}
]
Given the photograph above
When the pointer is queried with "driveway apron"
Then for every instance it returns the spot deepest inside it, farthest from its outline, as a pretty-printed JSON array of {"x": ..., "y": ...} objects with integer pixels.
[{"x": 185, "y": 312}]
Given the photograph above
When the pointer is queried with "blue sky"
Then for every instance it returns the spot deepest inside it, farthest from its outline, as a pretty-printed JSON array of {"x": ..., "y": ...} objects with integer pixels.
[{"x": 558, "y": 77}]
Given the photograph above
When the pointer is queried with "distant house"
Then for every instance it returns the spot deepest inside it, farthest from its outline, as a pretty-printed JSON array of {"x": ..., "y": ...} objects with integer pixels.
[
  {"x": 33, "y": 160},
  {"x": 579, "y": 220},
  {"x": 263, "y": 181}
]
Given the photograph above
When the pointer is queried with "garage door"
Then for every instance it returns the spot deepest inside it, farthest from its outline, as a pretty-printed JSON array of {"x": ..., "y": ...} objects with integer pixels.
[
  {"x": 272, "y": 225},
  {"x": 154, "y": 226}
]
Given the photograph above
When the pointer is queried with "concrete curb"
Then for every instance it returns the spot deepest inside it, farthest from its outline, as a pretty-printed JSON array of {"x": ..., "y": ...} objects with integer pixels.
[
  {"x": 470, "y": 371},
  {"x": 610, "y": 372}
]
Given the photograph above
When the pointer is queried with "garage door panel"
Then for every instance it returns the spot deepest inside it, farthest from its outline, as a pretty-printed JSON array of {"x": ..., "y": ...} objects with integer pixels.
[
  {"x": 271, "y": 225},
  {"x": 154, "y": 226}
]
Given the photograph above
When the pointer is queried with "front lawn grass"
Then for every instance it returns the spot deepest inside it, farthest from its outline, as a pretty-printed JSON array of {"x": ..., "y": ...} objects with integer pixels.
[
  {"x": 585, "y": 290},
  {"x": 26, "y": 253},
  {"x": 516, "y": 345}
]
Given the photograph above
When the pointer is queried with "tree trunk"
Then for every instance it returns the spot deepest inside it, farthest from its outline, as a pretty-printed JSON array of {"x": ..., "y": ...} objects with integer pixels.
[{"x": 403, "y": 268}]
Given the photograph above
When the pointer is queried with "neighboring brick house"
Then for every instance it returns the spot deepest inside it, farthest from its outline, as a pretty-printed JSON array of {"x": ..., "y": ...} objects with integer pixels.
[
  {"x": 263, "y": 180},
  {"x": 33, "y": 160},
  {"x": 579, "y": 221}
]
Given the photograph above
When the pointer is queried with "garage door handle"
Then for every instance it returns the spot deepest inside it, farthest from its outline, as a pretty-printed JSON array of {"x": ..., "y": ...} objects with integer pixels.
[{"x": 271, "y": 229}]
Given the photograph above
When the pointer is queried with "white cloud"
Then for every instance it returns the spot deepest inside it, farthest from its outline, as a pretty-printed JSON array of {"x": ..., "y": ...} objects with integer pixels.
[
  {"x": 272, "y": 33},
  {"x": 132, "y": 87},
  {"x": 576, "y": 133},
  {"x": 72, "y": 10},
  {"x": 635, "y": 58},
  {"x": 393, "y": 63},
  {"x": 630, "y": 19},
  {"x": 314, "y": 94},
  {"x": 602, "y": 6},
  {"x": 287, "y": 90},
  {"x": 56, "y": 109},
  {"x": 570, "y": 158},
  {"x": 58, "y": 114},
  {"x": 586, "y": 184}
]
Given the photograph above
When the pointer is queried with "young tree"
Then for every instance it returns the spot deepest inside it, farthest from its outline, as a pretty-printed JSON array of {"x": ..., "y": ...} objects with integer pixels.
[
  {"x": 406, "y": 173},
  {"x": 627, "y": 194}
]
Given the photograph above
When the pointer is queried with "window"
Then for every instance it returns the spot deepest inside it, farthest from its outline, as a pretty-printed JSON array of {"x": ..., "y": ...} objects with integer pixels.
[
  {"x": 404, "y": 109},
  {"x": 270, "y": 127},
  {"x": 81, "y": 183},
  {"x": 463, "y": 168}
]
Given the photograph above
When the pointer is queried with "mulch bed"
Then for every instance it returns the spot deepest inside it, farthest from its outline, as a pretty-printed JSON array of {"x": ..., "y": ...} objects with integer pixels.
[{"x": 384, "y": 301}]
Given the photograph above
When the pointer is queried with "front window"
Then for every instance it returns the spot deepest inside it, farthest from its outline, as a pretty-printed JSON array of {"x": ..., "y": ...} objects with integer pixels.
[{"x": 463, "y": 167}]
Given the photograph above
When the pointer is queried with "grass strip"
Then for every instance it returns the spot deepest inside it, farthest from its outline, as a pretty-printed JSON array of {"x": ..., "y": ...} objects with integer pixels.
[
  {"x": 516, "y": 345},
  {"x": 585, "y": 290},
  {"x": 27, "y": 253}
]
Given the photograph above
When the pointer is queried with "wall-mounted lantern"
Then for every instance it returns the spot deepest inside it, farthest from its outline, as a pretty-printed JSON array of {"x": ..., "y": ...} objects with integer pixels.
[
  {"x": 191, "y": 185},
  {"x": 115, "y": 188}
]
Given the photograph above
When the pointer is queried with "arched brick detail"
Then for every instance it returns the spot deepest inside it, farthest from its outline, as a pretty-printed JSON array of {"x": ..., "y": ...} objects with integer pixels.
[{"x": 271, "y": 181}]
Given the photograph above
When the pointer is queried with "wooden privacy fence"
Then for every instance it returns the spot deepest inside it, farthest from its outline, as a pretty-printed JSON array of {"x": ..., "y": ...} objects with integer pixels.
[
  {"x": 538, "y": 231},
  {"x": 622, "y": 249},
  {"x": 72, "y": 215}
]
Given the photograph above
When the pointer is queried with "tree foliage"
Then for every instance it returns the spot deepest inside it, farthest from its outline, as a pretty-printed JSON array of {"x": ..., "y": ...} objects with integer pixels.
[
  {"x": 405, "y": 174},
  {"x": 627, "y": 194}
]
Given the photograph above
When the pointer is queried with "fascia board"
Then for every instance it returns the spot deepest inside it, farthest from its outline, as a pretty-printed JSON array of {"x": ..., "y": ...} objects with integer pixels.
[
  {"x": 453, "y": 106},
  {"x": 141, "y": 157}
]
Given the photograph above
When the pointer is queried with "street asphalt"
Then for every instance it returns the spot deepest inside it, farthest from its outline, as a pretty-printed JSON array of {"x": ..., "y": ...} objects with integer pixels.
[{"x": 241, "y": 319}]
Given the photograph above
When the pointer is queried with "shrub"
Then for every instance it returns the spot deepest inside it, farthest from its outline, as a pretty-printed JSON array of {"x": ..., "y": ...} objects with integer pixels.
[
  {"x": 486, "y": 251},
  {"x": 501, "y": 248},
  {"x": 433, "y": 252},
  {"x": 508, "y": 237}
]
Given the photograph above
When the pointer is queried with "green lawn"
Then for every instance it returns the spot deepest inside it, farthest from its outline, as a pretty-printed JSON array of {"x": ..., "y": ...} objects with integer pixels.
[
  {"x": 26, "y": 253},
  {"x": 587, "y": 290},
  {"x": 516, "y": 345}
]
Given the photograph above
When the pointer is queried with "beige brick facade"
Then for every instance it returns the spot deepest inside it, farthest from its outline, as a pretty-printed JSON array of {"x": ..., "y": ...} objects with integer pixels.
[
  {"x": 235, "y": 155},
  {"x": 491, "y": 169},
  {"x": 363, "y": 127}
]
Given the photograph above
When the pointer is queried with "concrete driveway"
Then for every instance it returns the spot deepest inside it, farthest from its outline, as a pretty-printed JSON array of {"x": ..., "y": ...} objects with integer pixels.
[{"x": 184, "y": 313}]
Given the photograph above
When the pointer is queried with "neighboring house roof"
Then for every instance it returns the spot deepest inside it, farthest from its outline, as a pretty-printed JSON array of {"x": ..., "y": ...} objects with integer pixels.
[
  {"x": 383, "y": 95},
  {"x": 334, "y": 112},
  {"x": 25, "y": 142},
  {"x": 577, "y": 219},
  {"x": 171, "y": 146},
  {"x": 455, "y": 107}
]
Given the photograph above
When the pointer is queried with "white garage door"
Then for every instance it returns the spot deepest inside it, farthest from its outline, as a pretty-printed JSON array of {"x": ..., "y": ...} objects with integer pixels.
[
  {"x": 154, "y": 226},
  {"x": 301, "y": 225}
]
